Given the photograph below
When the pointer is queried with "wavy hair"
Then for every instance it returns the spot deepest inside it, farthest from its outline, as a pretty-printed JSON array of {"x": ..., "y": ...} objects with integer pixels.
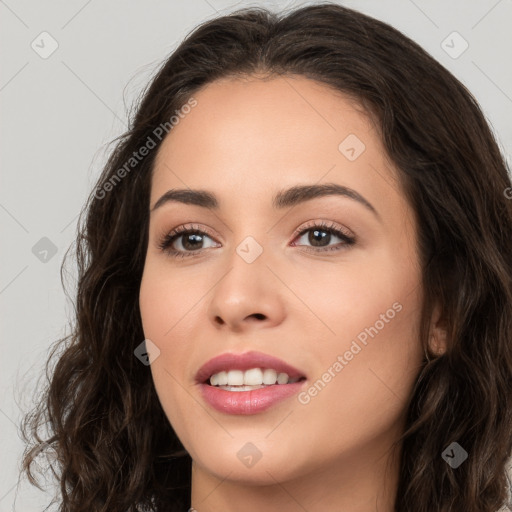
[{"x": 115, "y": 449}]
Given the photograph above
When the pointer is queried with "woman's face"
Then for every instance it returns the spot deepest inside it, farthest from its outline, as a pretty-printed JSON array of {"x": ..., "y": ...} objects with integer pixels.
[{"x": 345, "y": 314}]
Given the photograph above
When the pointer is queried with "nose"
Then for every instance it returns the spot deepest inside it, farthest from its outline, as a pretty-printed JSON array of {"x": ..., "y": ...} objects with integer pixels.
[{"x": 247, "y": 296}]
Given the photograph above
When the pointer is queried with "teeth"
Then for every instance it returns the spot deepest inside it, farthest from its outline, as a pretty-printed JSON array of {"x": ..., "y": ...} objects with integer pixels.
[
  {"x": 250, "y": 379},
  {"x": 269, "y": 376},
  {"x": 235, "y": 378},
  {"x": 253, "y": 377},
  {"x": 282, "y": 378}
]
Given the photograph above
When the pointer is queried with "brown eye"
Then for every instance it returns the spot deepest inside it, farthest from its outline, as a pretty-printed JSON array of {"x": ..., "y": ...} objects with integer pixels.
[
  {"x": 184, "y": 241},
  {"x": 321, "y": 236}
]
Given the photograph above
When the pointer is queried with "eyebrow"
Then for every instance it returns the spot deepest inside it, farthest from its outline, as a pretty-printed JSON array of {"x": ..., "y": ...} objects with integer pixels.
[{"x": 283, "y": 199}]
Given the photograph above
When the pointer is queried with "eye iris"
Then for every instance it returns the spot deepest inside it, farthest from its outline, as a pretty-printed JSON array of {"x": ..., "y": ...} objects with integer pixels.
[
  {"x": 325, "y": 236},
  {"x": 197, "y": 240}
]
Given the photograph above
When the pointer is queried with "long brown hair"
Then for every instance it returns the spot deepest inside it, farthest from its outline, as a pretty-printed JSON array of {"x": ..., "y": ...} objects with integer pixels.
[{"x": 115, "y": 449}]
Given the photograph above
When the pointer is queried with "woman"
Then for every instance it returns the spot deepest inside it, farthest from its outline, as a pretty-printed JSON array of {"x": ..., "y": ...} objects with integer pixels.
[{"x": 295, "y": 285}]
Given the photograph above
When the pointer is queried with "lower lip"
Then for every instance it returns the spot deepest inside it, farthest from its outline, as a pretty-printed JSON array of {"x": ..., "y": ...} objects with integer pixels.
[{"x": 248, "y": 402}]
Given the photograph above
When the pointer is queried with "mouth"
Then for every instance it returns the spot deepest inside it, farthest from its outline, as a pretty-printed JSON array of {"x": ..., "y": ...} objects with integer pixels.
[
  {"x": 247, "y": 383},
  {"x": 247, "y": 369}
]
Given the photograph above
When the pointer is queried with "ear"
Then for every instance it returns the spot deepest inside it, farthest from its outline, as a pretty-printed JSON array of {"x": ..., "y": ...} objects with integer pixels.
[{"x": 438, "y": 333}]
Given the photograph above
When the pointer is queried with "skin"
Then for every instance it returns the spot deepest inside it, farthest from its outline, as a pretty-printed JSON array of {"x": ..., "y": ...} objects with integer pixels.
[{"x": 245, "y": 140}]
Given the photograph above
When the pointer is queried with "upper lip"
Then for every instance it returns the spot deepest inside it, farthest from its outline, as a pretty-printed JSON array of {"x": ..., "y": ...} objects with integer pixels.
[{"x": 246, "y": 361}]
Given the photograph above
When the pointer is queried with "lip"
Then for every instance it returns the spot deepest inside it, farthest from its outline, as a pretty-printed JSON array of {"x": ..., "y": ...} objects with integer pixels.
[
  {"x": 245, "y": 361},
  {"x": 247, "y": 402}
]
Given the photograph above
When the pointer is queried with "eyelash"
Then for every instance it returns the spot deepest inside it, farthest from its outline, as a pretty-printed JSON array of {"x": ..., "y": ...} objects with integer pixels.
[{"x": 168, "y": 239}]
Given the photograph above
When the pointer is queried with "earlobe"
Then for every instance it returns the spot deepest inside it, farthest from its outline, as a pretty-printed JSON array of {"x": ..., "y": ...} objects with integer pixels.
[
  {"x": 438, "y": 333},
  {"x": 437, "y": 342}
]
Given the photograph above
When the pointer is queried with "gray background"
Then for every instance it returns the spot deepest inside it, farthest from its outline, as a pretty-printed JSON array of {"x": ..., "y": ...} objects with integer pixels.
[{"x": 59, "y": 113}]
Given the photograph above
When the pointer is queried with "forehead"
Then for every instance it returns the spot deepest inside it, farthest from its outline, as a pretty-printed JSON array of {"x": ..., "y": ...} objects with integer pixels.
[{"x": 252, "y": 135}]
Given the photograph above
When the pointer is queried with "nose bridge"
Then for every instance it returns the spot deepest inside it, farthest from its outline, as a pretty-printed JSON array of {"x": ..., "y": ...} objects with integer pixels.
[
  {"x": 246, "y": 266},
  {"x": 247, "y": 288},
  {"x": 255, "y": 242},
  {"x": 250, "y": 249},
  {"x": 249, "y": 237}
]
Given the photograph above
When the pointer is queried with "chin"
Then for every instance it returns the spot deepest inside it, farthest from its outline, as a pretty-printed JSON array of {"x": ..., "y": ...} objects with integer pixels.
[{"x": 244, "y": 463}]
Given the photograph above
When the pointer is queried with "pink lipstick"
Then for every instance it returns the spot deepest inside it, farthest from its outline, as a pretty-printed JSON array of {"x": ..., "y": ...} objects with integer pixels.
[{"x": 247, "y": 383}]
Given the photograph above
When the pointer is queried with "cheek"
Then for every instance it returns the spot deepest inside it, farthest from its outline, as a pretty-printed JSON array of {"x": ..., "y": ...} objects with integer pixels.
[
  {"x": 370, "y": 289},
  {"x": 151, "y": 299},
  {"x": 167, "y": 301},
  {"x": 365, "y": 387},
  {"x": 371, "y": 357},
  {"x": 165, "y": 322}
]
